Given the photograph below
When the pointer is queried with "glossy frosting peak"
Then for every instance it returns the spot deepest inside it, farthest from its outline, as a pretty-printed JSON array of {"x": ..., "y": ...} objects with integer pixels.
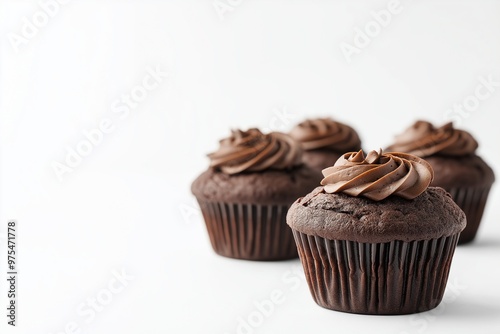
[
  {"x": 423, "y": 139},
  {"x": 326, "y": 133},
  {"x": 378, "y": 176},
  {"x": 251, "y": 151}
]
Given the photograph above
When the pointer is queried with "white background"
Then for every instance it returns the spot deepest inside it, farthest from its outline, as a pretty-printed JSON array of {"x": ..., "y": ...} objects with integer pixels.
[{"x": 127, "y": 206}]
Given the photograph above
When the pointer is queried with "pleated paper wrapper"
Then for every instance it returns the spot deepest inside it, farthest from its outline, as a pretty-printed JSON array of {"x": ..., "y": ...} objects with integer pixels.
[
  {"x": 249, "y": 231},
  {"x": 472, "y": 201},
  {"x": 376, "y": 278}
]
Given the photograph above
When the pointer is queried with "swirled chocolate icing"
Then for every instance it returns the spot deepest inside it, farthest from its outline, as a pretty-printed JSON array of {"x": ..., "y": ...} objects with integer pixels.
[
  {"x": 326, "y": 133},
  {"x": 252, "y": 151},
  {"x": 378, "y": 176},
  {"x": 423, "y": 139}
]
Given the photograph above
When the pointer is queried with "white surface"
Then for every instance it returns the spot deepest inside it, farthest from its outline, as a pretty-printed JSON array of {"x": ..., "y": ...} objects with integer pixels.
[{"x": 128, "y": 205}]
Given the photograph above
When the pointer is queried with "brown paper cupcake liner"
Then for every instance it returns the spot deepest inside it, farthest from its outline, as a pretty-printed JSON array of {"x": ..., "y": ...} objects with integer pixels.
[
  {"x": 376, "y": 278},
  {"x": 249, "y": 231},
  {"x": 472, "y": 201}
]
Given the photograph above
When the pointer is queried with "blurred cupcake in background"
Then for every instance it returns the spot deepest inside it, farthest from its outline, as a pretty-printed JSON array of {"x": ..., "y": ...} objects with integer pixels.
[
  {"x": 457, "y": 168},
  {"x": 245, "y": 194},
  {"x": 324, "y": 141}
]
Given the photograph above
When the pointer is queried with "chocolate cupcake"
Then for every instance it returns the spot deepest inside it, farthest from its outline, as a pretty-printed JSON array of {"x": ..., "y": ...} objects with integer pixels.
[
  {"x": 245, "y": 194},
  {"x": 374, "y": 239},
  {"x": 457, "y": 168},
  {"x": 324, "y": 141}
]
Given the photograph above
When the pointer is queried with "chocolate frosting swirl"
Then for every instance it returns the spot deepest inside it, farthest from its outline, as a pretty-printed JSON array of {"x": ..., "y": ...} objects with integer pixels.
[
  {"x": 326, "y": 133},
  {"x": 378, "y": 175},
  {"x": 423, "y": 139},
  {"x": 252, "y": 151}
]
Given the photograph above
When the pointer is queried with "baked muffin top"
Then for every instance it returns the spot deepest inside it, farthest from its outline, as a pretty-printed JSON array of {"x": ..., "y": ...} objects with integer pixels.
[
  {"x": 253, "y": 167},
  {"x": 431, "y": 215},
  {"x": 380, "y": 198},
  {"x": 450, "y": 151}
]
